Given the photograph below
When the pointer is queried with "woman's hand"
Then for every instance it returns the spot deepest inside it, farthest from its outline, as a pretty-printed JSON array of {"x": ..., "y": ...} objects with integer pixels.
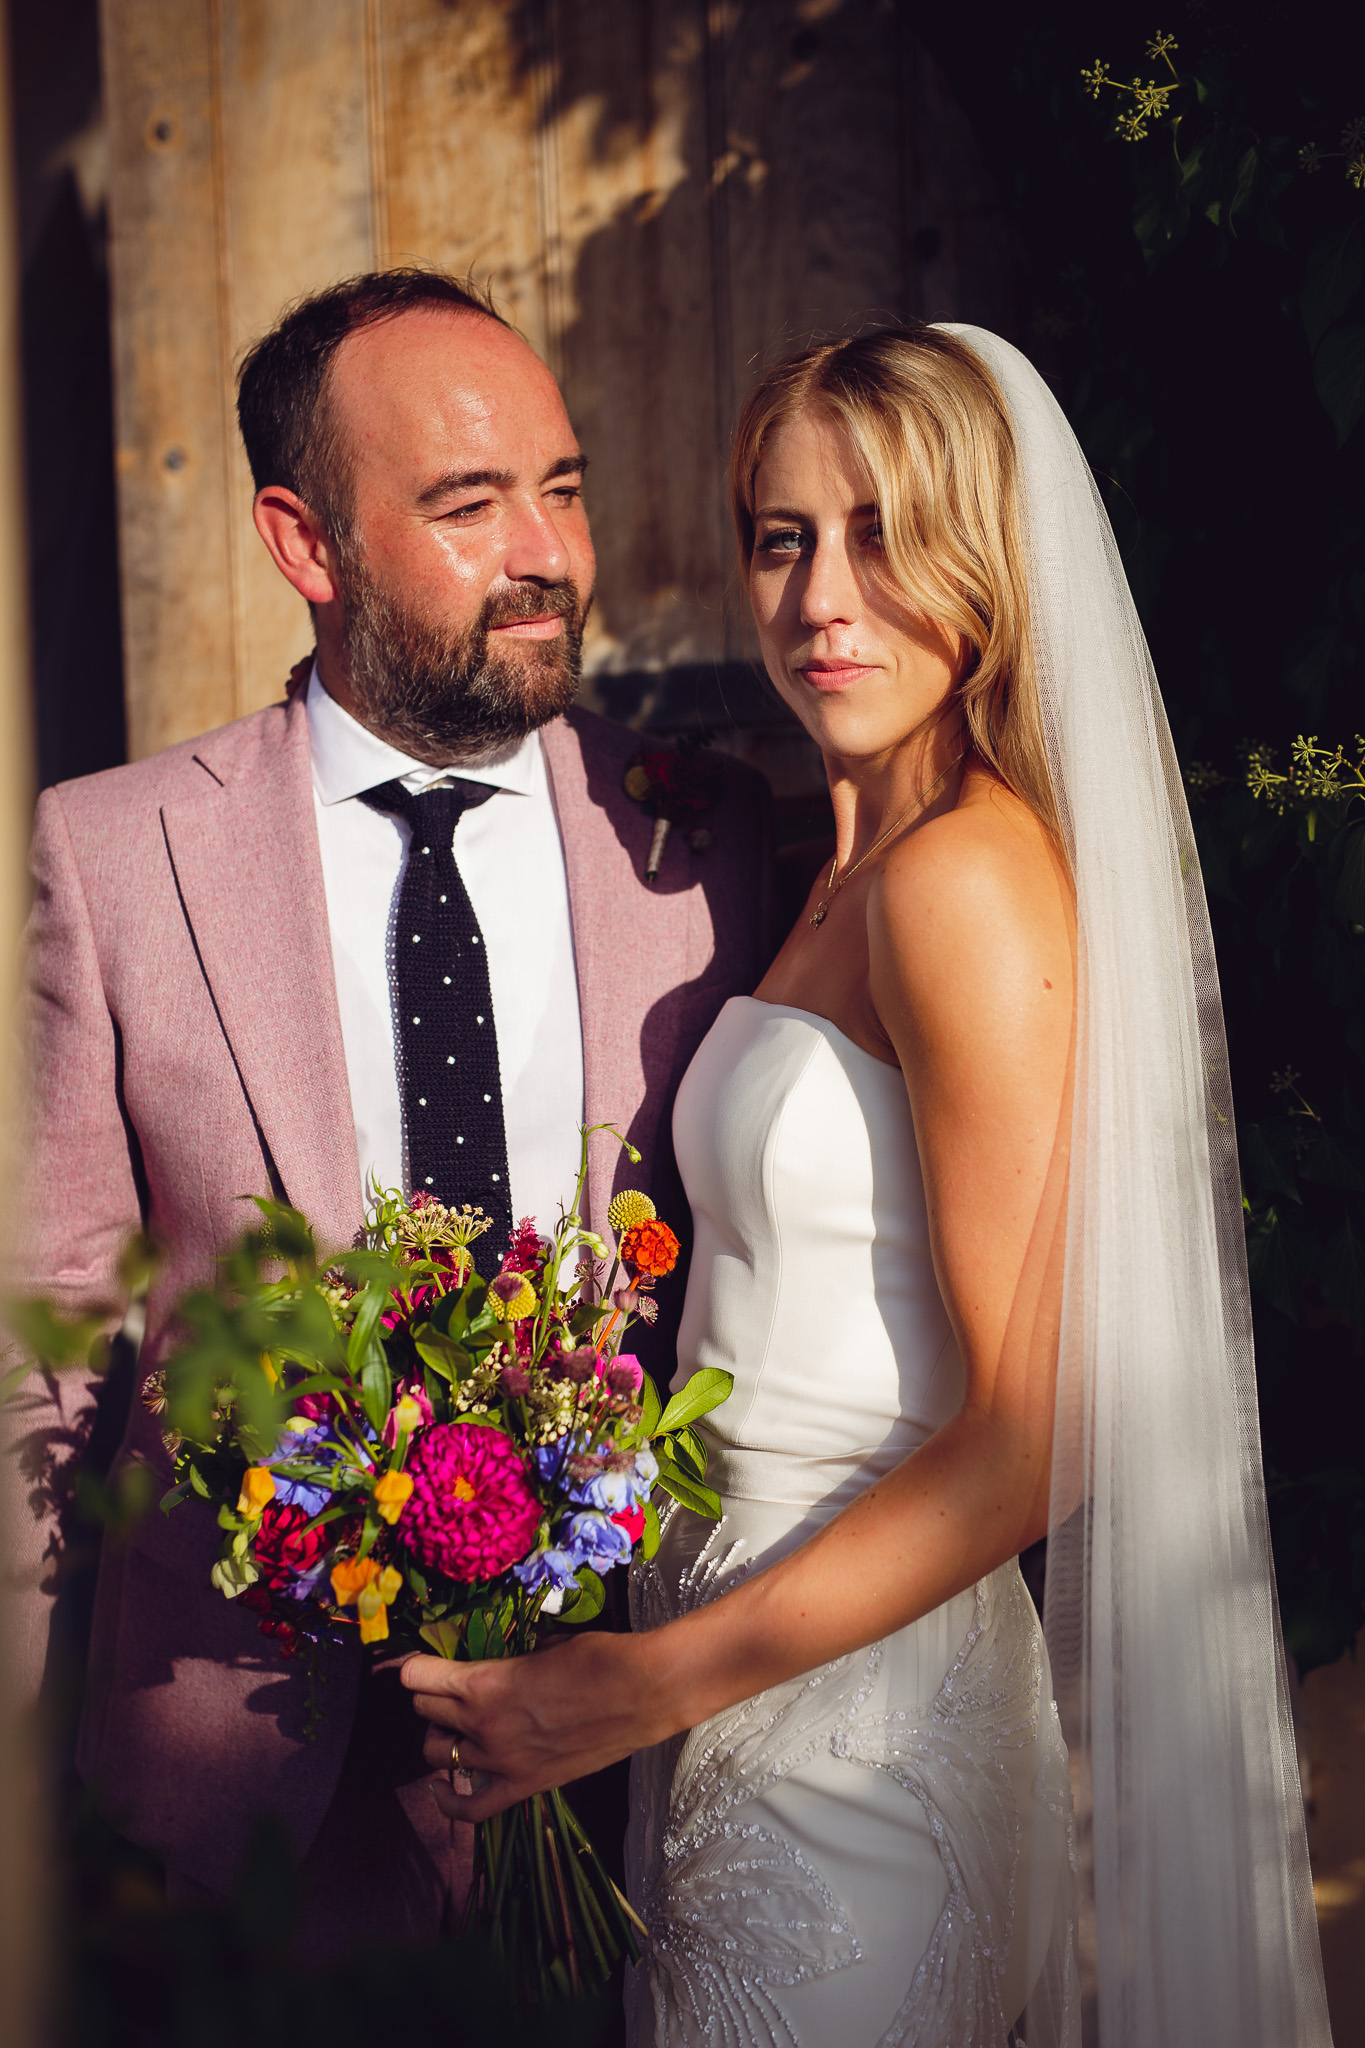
[{"x": 531, "y": 1722}]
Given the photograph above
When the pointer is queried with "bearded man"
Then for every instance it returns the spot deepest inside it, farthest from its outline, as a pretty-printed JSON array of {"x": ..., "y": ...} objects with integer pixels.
[{"x": 394, "y": 927}]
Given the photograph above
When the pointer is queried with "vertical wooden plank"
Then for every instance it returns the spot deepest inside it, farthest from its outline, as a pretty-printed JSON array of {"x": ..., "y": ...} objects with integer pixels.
[
  {"x": 639, "y": 354},
  {"x": 171, "y": 448},
  {"x": 297, "y": 196},
  {"x": 461, "y": 172},
  {"x": 240, "y": 180}
]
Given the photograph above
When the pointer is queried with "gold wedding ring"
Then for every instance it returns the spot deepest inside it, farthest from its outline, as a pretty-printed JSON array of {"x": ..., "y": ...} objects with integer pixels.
[{"x": 454, "y": 1763}]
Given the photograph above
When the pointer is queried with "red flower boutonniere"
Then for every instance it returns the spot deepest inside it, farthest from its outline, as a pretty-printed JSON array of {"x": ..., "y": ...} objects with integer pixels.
[{"x": 674, "y": 786}]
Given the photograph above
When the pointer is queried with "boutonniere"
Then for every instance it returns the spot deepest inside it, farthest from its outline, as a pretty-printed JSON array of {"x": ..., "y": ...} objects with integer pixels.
[{"x": 674, "y": 786}]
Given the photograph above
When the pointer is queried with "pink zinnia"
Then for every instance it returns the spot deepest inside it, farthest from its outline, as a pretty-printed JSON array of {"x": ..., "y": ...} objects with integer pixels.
[{"x": 471, "y": 1512}]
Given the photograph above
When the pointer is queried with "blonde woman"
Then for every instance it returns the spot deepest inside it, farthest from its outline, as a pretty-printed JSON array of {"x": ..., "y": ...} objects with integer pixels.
[{"x": 967, "y": 1236}]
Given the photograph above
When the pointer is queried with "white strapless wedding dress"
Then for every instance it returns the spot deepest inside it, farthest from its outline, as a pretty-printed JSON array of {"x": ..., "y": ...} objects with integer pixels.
[{"x": 876, "y": 1853}]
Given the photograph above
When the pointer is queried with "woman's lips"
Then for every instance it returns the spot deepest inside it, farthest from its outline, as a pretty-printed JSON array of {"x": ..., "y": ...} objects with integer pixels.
[{"x": 833, "y": 675}]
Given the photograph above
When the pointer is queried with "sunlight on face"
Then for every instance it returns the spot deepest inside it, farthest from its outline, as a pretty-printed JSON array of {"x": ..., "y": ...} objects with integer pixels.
[{"x": 857, "y": 666}]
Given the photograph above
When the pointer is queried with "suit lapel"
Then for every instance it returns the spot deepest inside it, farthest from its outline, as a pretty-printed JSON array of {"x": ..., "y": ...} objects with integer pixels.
[
  {"x": 246, "y": 860},
  {"x": 633, "y": 947}
]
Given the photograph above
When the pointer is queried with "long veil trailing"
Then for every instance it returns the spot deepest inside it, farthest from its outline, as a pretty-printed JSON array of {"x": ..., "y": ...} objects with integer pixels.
[{"x": 1197, "y": 1927}]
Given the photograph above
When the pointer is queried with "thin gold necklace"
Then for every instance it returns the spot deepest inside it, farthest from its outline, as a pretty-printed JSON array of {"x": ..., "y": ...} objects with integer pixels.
[{"x": 832, "y": 887}]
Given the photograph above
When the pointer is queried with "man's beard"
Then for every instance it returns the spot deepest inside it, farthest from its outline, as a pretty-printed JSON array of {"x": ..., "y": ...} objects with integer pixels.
[{"x": 441, "y": 694}]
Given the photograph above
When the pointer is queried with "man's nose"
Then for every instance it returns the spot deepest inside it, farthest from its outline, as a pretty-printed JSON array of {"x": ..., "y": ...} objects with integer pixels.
[{"x": 536, "y": 548}]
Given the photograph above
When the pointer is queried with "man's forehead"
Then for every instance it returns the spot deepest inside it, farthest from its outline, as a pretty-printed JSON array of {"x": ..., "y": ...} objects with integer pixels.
[{"x": 438, "y": 369}]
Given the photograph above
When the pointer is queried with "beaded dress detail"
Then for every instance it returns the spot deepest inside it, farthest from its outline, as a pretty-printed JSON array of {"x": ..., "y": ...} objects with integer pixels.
[{"x": 877, "y": 1854}]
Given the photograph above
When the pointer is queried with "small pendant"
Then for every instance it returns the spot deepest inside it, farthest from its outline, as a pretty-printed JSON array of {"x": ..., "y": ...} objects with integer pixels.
[{"x": 819, "y": 914}]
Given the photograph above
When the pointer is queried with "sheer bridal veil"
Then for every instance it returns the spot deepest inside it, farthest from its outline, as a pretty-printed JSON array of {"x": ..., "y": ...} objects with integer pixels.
[{"x": 1197, "y": 1927}]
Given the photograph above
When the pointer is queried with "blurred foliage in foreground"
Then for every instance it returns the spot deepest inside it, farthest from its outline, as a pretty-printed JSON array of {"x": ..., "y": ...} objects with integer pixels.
[
  {"x": 1188, "y": 186},
  {"x": 134, "y": 1973}
]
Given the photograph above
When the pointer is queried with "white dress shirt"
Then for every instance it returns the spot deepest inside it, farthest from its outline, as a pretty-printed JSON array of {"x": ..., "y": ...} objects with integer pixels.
[{"x": 511, "y": 860}]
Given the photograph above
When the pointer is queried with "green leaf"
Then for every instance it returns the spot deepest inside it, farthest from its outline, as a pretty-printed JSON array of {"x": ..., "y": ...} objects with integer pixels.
[
  {"x": 705, "y": 1390},
  {"x": 376, "y": 1389},
  {"x": 175, "y": 1496},
  {"x": 14, "y": 1379},
  {"x": 649, "y": 1535},
  {"x": 701, "y": 1499},
  {"x": 1268, "y": 1264},
  {"x": 54, "y": 1339},
  {"x": 476, "y": 1634},
  {"x": 198, "y": 1482},
  {"x": 1333, "y": 275},
  {"x": 587, "y": 1603},
  {"x": 1246, "y": 178},
  {"x": 232, "y": 1575},
  {"x": 690, "y": 1452},
  {"x": 363, "y": 1340},
  {"x": 1325, "y": 1162},
  {"x": 444, "y": 1637},
  {"x": 652, "y": 1407},
  {"x": 1339, "y": 373},
  {"x": 1341, "y": 1275},
  {"x": 1266, "y": 1167},
  {"x": 451, "y": 1360}
]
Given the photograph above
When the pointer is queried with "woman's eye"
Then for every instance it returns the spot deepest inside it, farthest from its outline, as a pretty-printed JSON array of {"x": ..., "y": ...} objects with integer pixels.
[{"x": 786, "y": 543}]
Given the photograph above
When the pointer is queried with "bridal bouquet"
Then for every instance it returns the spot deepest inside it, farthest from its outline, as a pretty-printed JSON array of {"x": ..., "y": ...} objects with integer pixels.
[{"x": 404, "y": 1451}]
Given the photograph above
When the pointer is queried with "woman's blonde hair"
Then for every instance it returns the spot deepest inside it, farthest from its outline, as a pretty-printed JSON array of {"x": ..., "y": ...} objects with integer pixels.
[{"x": 926, "y": 419}]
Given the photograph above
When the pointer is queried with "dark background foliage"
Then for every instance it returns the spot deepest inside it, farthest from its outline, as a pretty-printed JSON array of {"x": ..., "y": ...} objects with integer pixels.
[{"x": 1196, "y": 299}]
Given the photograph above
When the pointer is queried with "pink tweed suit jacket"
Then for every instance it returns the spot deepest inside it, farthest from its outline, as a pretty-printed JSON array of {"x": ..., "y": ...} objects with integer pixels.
[{"x": 186, "y": 1052}]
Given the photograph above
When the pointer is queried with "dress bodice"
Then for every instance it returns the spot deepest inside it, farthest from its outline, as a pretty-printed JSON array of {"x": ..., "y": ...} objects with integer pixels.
[{"x": 812, "y": 1278}]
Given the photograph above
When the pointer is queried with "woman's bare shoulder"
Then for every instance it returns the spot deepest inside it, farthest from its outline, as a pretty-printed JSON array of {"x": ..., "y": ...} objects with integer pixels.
[{"x": 974, "y": 910}]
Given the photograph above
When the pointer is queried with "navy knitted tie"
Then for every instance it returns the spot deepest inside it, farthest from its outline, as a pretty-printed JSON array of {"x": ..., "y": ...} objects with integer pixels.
[{"x": 447, "y": 1039}]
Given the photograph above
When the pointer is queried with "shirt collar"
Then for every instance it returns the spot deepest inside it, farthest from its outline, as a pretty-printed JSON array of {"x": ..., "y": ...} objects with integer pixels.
[{"x": 348, "y": 758}]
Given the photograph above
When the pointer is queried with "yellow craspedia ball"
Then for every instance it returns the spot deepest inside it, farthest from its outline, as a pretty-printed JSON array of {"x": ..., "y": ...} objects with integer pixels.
[
  {"x": 511, "y": 1297},
  {"x": 630, "y": 1207}
]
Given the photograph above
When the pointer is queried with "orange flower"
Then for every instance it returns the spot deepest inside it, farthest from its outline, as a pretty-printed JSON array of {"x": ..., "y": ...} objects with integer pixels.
[
  {"x": 390, "y": 1493},
  {"x": 350, "y": 1576},
  {"x": 650, "y": 1247},
  {"x": 258, "y": 1490}
]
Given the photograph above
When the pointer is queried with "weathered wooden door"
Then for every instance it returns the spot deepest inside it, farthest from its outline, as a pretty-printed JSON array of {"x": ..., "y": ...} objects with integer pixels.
[{"x": 661, "y": 192}]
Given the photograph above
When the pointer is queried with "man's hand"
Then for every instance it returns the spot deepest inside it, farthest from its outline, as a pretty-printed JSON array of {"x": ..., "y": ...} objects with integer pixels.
[{"x": 527, "y": 1723}]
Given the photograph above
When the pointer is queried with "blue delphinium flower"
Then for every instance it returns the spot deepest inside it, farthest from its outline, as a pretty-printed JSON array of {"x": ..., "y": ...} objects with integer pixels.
[{"x": 304, "y": 1447}]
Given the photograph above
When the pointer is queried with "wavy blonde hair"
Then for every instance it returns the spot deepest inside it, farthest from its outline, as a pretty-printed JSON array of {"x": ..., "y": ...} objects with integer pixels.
[{"x": 926, "y": 419}]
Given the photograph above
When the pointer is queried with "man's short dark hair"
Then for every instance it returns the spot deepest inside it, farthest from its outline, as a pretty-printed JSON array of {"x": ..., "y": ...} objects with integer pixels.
[{"x": 282, "y": 385}]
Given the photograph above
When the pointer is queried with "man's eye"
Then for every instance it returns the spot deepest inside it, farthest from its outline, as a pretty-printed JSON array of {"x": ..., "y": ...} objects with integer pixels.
[{"x": 569, "y": 493}]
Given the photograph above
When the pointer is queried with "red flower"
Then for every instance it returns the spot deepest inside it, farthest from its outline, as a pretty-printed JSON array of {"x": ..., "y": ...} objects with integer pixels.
[
  {"x": 525, "y": 1250},
  {"x": 650, "y": 1247},
  {"x": 285, "y": 1548},
  {"x": 632, "y": 1520}
]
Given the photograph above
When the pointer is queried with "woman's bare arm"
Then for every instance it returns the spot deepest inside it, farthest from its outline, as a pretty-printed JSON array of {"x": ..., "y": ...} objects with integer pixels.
[{"x": 972, "y": 951}]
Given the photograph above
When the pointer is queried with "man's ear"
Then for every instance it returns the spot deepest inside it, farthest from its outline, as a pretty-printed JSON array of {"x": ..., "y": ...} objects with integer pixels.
[{"x": 298, "y": 546}]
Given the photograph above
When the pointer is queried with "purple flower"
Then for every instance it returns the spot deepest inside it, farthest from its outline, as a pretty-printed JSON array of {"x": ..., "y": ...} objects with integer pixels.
[
  {"x": 554, "y": 1568},
  {"x": 592, "y": 1539}
]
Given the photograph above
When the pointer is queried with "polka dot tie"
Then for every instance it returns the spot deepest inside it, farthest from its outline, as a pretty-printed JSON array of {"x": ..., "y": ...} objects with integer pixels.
[{"x": 447, "y": 1041}]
